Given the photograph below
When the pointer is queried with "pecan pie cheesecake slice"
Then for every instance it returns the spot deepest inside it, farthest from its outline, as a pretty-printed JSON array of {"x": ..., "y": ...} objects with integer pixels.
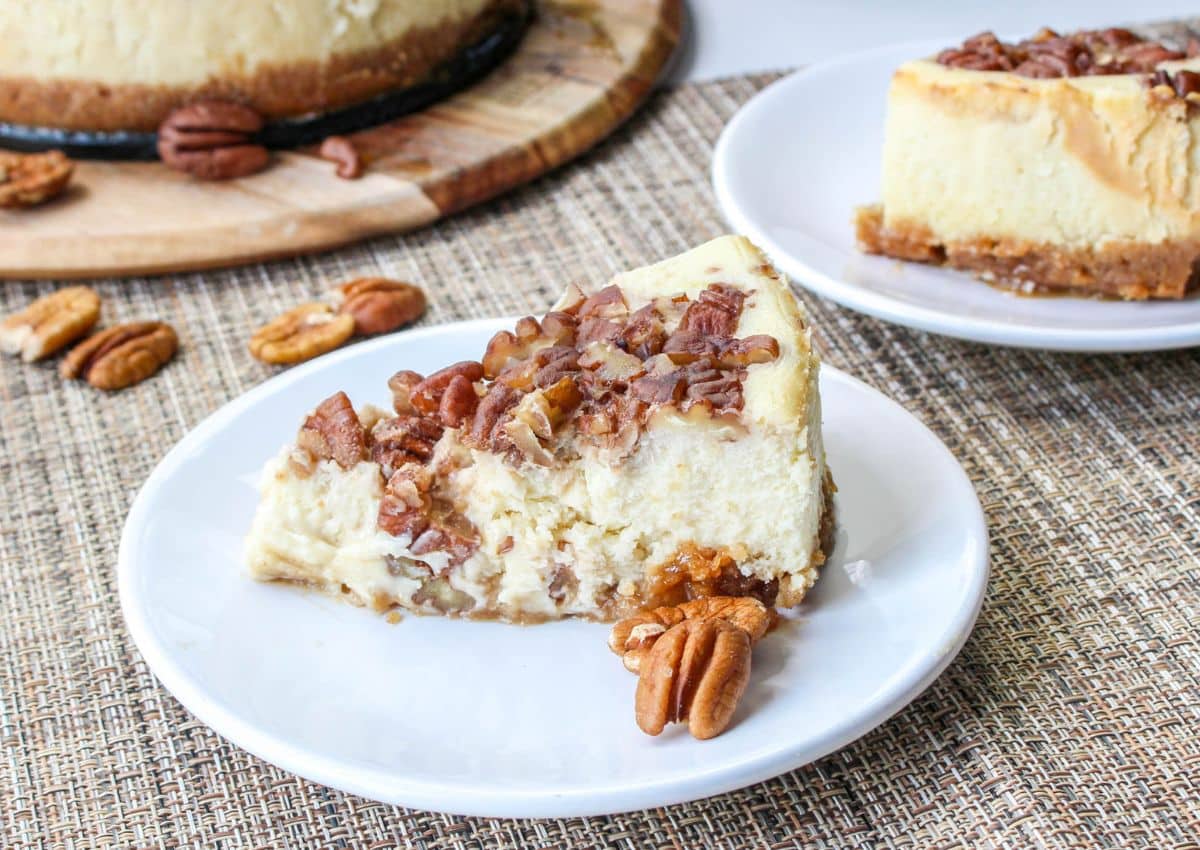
[
  {"x": 1060, "y": 162},
  {"x": 648, "y": 442}
]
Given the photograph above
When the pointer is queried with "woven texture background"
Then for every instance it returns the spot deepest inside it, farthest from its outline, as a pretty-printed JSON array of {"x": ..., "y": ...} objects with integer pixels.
[{"x": 1069, "y": 720}]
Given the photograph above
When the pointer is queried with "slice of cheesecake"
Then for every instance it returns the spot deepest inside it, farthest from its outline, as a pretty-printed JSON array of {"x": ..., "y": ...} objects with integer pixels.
[
  {"x": 1061, "y": 162},
  {"x": 655, "y": 440}
]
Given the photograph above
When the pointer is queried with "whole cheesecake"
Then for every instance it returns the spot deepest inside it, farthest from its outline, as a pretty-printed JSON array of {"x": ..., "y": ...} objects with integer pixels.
[
  {"x": 123, "y": 65},
  {"x": 1059, "y": 162}
]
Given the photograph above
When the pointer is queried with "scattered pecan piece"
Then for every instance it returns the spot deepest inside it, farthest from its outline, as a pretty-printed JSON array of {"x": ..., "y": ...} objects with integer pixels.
[
  {"x": 379, "y": 305},
  {"x": 334, "y": 432},
  {"x": 301, "y": 334},
  {"x": 427, "y": 395},
  {"x": 29, "y": 179},
  {"x": 340, "y": 150},
  {"x": 50, "y": 322},
  {"x": 121, "y": 356},
  {"x": 695, "y": 673},
  {"x": 212, "y": 140}
]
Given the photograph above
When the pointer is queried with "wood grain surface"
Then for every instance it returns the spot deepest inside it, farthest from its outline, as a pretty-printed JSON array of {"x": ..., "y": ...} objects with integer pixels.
[{"x": 582, "y": 69}]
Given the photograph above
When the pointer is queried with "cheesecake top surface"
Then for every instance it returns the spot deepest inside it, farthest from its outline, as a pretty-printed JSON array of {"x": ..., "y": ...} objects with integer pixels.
[
  {"x": 181, "y": 42},
  {"x": 775, "y": 392}
]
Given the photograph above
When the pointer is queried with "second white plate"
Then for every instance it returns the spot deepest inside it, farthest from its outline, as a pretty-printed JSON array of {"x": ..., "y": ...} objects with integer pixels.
[
  {"x": 498, "y": 720},
  {"x": 796, "y": 160}
]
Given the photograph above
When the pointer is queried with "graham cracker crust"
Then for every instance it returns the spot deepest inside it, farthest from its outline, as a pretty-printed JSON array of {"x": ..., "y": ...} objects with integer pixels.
[
  {"x": 1121, "y": 269},
  {"x": 274, "y": 91}
]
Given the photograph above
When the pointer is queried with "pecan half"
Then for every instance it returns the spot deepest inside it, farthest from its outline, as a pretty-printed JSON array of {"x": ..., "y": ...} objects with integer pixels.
[
  {"x": 212, "y": 140},
  {"x": 29, "y": 179},
  {"x": 340, "y": 150},
  {"x": 121, "y": 356},
  {"x": 379, "y": 305},
  {"x": 427, "y": 395},
  {"x": 696, "y": 673},
  {"x": 50, "y": 323},
  {"x": 301, "y": 334},
  {"x": 334, "y": 432}
]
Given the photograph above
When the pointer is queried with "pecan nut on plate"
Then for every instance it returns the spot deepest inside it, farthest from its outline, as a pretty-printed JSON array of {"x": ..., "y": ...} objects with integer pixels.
[
  {"x": 121, "y": 356},
  {"x": 50, "y": 323},
  {"x": 695, "y": 674},
  {"x": 213, "y": 140},
  {"x": 379, "y": 305},
  {"x": 692, "y": 660},
  {"x": 29, "y": 179},
  {"x": 301, "y": 334}
]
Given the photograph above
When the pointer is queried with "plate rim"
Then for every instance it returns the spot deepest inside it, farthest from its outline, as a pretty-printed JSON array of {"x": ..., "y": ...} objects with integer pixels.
[
  {"x": 1017, "y": 335},
  {"x": 478, "y": 799}
]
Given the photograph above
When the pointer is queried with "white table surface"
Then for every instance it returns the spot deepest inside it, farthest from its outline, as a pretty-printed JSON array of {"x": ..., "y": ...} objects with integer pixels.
[{"x": 727, "y": 37}]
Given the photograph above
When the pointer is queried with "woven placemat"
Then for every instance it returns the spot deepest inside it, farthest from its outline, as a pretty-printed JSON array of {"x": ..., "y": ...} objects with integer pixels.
[{"x": 1069, "y": 720}]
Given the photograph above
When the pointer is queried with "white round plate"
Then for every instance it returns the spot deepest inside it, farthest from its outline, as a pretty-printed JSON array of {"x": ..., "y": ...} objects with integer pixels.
[
  {"x": 509, "y": 721},
  {"x": 796, "y": 160}
]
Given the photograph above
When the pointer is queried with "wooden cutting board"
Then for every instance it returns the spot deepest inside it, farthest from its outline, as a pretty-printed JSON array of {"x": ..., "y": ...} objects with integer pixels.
[{"x": 582, "y": 69}]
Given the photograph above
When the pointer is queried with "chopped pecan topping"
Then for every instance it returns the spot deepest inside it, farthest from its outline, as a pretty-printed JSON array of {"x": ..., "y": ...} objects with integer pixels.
[
  {"x": 500, "y": 398},
  {"x": 213, "y": 140},
  {"x": 333, "y": 432},
  {"x": 406, "y": 503},
  {"x": 1181, "y": 83},
  {"x": 401, "y": 384},
  {"x": 451, "y": 534},
  {"x": 458, "y": 403},
  {"x": 29, "y": 179},
  {"x": 555, "y": 363},
  {"x": 644, "y": 335},
  {"x": 427, "y": 395},
  {"x": 695, "y": 673},
  {"x": 720, "y": 390},
  {"x": 402, "y": 439},
  {"x": 598, "y": 330},
  {"x": 608, "y": 303},
  {"x": 715, "y": 312},
  {"x": 1048, "y": 55},
  {"x": 50, "y": 323}
]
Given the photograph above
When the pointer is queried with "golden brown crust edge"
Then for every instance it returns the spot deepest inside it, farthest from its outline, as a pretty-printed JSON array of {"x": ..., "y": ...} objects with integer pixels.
[
  {"x": 277, "y": 91},
  {"x": 1121, "y": 269}
]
